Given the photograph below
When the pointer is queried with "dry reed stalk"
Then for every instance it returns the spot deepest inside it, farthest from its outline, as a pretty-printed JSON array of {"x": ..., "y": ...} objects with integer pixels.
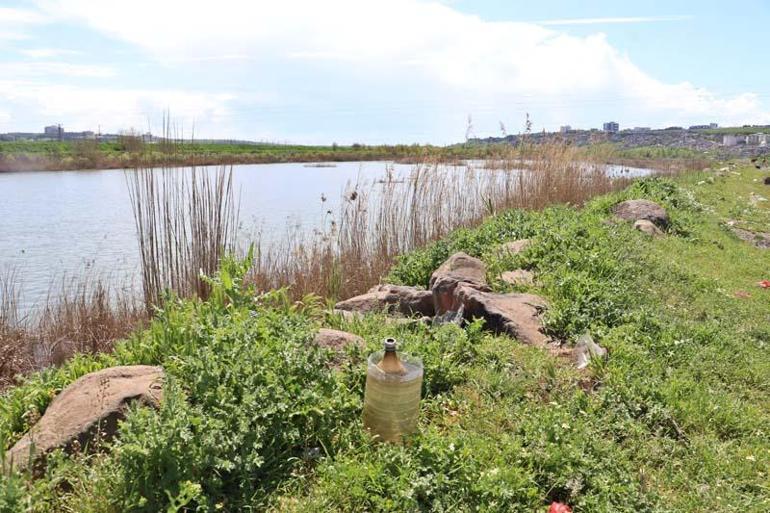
[
  {"x": 79, "y": 316},
  {"x": 186, "y": 222}
]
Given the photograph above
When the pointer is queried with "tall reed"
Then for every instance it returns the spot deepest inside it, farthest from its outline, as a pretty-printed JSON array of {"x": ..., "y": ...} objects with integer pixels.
[{"x": 186, "y": 221}]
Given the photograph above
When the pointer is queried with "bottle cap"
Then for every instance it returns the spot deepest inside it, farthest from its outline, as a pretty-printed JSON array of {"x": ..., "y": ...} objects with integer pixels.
[{"x": 390, "y": 345}]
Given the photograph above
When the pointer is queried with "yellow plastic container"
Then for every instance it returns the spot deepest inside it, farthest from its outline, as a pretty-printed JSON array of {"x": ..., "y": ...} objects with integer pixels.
[{"x": 392, "y": 400}]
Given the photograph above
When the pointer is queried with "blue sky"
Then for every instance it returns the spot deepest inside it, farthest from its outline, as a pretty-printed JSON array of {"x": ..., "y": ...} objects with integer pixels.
[{"x": 363, "y": 71}]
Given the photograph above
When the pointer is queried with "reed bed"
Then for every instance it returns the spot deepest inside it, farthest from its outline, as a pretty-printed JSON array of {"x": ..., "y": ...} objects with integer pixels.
[
  {"x": 79, "y": 315},
  {"x": 379, "y": 221}
]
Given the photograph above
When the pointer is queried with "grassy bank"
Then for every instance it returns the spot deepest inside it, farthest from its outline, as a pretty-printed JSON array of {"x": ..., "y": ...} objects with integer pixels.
[
  {"x": 132, "y": 152},
  {"x": 39, "y": 155},
  {"x": 254, "y": 418}
]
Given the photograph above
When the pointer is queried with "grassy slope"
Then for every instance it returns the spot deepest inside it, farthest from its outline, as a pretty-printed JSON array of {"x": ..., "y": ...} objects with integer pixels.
[{"x": 676, "y": 420}]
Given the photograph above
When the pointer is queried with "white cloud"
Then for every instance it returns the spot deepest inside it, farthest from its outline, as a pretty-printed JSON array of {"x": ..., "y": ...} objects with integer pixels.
[
  {"x": 457, "y": 60},
  {"x": 112, "y": 109},
  {"x": 48, "y": 53},
  {"x": 20, "y": 70},
  {"x": 612, "y": 21},
  {"x": 20, "y": 16}
]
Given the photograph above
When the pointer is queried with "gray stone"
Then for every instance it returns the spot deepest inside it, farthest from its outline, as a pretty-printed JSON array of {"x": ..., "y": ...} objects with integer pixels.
[
  {"x": 86, "y": 410},
  {"x": 460, "y": 268},
  {"x": 633, "y": 210}
]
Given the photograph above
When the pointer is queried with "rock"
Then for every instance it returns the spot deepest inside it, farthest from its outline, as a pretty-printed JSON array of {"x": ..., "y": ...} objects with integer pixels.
[
  {"x": 648, "y": 227},
  {"x": 586, "y": 350},
  {"x": 517, "y": 246},
  {"x": 758, "y": 239},
  {"x": 767, "y": 180},
  {"x": 460, "y": 268},
  {"x": 633, "y": 210},
  {"x": 336, "y": 339},
  {"x": 519, "y": 277},
  {"x": 517, "y": 315},
  {"x": 391, "y": 299},
  {"x": 88, "y": 408}
]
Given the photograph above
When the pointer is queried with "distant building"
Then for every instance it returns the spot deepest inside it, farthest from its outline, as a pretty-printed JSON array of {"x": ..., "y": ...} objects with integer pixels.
[
  {"x": 53, "y": 131},
  {"x": 704, "y": 127},
  {"x": 713, "y": 125},
  {"x": 564, "y": 129},
  {"x": 611, "y": 127},
  {"x": 641, "y": 129},
  {"x": 757, "y": 139},
  {"x": 733, "y": 140}
]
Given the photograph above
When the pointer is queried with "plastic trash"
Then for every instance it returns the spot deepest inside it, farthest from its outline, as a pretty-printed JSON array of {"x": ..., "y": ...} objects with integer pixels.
[{"x": 558, "y": 507}]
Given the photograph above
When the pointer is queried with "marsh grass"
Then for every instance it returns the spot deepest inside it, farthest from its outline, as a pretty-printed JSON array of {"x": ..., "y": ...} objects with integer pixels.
[
  {"x": 381, "y": 220},
  {"x": 79, "y": 315}
]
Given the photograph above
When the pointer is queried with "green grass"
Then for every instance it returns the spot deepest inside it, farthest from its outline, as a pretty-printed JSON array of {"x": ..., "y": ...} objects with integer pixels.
[
  {"x": 738, "y": 130},
  {"x": 255, "y": 419}
]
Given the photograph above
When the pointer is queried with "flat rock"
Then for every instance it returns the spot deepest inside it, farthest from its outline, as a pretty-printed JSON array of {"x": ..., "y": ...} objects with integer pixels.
[
  {"x": 519, "y": 277},
  {"x": 517, "y": 246},
  {"x": 460, "y": 268},
  {"x": 88, "y": 408},
  {"x": 391, "y": 299},
  {"x": 633, "y": 210},
  {"x": 648, "y": 227},
  {"x": 517, "y": 315}
]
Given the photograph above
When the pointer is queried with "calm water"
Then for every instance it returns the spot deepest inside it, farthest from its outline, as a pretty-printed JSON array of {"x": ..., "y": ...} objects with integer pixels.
[{"x": 64, "y": 223}]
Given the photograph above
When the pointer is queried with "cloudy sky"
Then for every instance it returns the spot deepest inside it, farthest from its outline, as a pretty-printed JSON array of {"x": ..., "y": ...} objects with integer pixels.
[{"x": 345, "y": 71}]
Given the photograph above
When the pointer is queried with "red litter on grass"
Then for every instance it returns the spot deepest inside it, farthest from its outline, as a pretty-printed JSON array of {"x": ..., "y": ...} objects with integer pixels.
[
  {"x": 558, "y": 507},
  {"x": 765, "y": 284}
]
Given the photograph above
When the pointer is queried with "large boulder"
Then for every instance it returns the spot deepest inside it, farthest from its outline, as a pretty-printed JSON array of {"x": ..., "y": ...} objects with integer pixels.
[
  {"x": 460, "y": 268},
  {"x": 517, "y": 315},
  {"x": 633, "y": 210},
  {"x": 391, "y": 299},
  {"x": 88, "y": 409}
]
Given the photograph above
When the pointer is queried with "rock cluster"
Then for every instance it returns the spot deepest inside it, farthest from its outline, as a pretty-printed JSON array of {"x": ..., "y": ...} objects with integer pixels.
[{"x": 459, "y": 288}]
